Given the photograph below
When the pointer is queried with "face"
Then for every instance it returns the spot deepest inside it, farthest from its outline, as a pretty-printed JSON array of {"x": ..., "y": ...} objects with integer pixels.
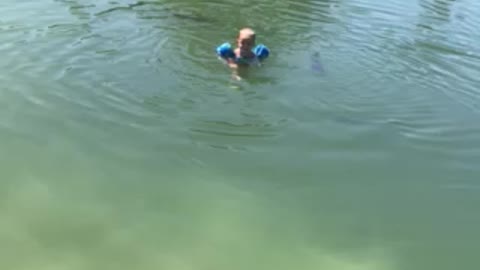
[{"x": 245, "y": 44}]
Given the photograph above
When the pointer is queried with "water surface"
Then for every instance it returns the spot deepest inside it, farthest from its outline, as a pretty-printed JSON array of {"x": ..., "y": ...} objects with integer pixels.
[{"x": 125, "y": 143}]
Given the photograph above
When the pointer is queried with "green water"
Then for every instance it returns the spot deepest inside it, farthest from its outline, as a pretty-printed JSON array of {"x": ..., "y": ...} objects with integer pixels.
[{"x": 125, "y": 143}]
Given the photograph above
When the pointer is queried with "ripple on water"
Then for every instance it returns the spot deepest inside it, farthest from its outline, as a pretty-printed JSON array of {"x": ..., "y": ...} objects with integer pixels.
[
  {"x": 387, "y": 51},
  {"x": 244, "y": 132}
]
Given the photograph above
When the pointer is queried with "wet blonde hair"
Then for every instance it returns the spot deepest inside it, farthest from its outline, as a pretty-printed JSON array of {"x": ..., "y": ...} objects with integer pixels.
[{"x": 246, "y": 33}]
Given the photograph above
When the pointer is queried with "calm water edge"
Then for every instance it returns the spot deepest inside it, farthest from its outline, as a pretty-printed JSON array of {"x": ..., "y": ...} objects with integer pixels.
[{"x": 126, "y": 144}]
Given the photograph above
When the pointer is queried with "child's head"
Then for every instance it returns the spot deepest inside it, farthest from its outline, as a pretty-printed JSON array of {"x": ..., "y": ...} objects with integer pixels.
[{"x": 246, "y": 39}]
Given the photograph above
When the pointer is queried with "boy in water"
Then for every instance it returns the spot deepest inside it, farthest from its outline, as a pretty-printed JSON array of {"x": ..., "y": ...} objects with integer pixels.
[{"x": 246, "y": 52}]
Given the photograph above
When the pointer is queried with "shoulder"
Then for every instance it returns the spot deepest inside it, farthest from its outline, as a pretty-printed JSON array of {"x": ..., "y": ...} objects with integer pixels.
[
  {"x": 261, "y": 51},
  {"x": 225, "y": 50}
]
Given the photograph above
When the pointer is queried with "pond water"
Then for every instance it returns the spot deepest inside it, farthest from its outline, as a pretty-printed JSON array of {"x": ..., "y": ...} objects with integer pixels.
[{"x": 126, "y": 144}]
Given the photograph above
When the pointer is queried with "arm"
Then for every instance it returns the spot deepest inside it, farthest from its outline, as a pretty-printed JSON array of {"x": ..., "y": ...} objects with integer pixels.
[
  {"x": 231, "y": 63},
  {"x": 225, "y": 52}
]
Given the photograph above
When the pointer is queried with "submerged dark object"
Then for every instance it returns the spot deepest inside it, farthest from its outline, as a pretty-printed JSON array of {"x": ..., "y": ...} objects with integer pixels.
[
  {"x": 316, "y": 64},
  {"x": 193, "y": 17},
  {"x": 182, "y": 14}
]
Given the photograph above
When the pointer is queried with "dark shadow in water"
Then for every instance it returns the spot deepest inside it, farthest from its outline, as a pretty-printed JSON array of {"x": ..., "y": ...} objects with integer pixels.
[
  {"x": 436, "y": 11},
  {"x": 144, "y": 11},
  {"x": 435, "y": 15},
  {"x": 78, "y": 9},
  {"x": 143, "y": 8},
  {"x": 431, "y": 32}
]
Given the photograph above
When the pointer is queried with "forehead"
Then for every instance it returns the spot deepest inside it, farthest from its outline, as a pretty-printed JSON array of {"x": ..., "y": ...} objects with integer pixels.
[{"x": 246, "y": 35}]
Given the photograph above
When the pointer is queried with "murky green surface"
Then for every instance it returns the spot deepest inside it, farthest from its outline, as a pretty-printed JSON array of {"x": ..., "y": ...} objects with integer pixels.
[{"x": 125, "y": 143}]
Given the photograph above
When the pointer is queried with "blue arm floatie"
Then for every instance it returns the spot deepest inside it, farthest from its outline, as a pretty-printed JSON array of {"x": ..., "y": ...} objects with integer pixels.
[
  {"x": 225, "y": 51},
  {"x": 261, "y": 51}
]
